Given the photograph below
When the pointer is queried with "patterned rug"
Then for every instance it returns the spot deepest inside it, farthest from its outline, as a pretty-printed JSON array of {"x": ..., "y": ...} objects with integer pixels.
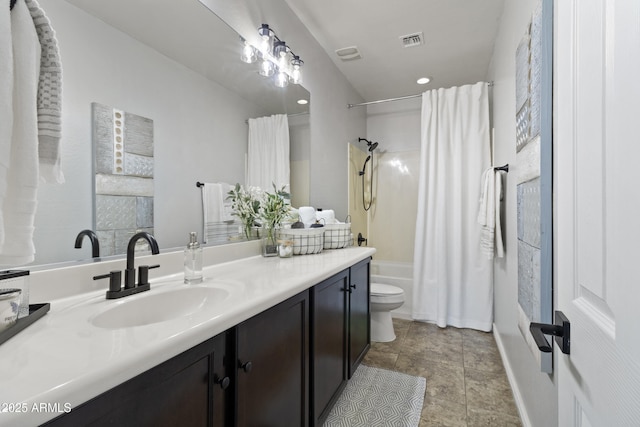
[{"x": 377, "y": 397}]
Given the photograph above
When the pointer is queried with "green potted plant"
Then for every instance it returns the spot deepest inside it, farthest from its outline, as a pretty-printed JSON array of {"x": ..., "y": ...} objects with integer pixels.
[{"x": 274, "y": 210}]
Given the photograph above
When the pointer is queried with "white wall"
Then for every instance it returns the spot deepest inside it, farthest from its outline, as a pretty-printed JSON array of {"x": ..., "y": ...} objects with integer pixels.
[
  {"x": 199, "y": 130},
  {"x": 395, "y": 125},
  {"x": 392, "y": 216},
  {"x": 536, "y": 392}
]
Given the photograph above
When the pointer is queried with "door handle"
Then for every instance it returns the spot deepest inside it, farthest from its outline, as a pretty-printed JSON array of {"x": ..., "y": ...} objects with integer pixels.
[{"x": 561, "y": 329}]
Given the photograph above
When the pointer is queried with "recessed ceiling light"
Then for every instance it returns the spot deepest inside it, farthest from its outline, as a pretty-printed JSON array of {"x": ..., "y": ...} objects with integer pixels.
[
  {"x": 302, "y": 101},
  {"x": 423, "y": 80}
]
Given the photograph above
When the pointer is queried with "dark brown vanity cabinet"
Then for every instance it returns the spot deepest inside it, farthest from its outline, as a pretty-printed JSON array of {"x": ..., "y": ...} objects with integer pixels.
[
  {"x": 329, "y": 334},
  {"x": 191, "y": 389},
  {"x": 359, "y": 339},
  {"x": 340, "y": 336},
  {"x": 273, "y": 366}
]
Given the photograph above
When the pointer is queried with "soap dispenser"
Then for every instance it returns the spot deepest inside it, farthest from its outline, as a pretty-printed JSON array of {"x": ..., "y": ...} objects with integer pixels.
[{"x": 193, "y": 260}]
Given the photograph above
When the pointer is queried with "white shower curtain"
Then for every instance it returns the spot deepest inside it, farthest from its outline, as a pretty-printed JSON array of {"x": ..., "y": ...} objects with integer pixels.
[
  {"x": 268, "y": 153},
  {"x": 453, "y": 280}
]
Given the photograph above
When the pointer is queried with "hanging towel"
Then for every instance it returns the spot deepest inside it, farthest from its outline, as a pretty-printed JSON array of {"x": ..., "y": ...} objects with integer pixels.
[
  {"x": 215, "y": 206},
  {"x": 489, "y": 214},
  {"x": 217, "y": 213},
  {"x": 49, "y": 97},
  {"x": 19, "y": 204},
  {"x": 6, "y": 106},
  {"x": 486, "y": 212}
]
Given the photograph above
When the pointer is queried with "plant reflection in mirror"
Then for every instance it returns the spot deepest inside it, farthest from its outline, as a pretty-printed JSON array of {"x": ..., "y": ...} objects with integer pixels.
[{"x": 246, "y": 206}]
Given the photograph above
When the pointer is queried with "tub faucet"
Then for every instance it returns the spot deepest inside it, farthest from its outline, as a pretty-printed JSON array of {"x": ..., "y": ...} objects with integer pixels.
[
  {"x": 95, "y": 245},
  {"x": 130, "y": 272}
]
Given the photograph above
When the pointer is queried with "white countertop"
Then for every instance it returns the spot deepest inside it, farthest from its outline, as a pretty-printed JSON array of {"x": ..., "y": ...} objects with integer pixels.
[{"x": 63, "y": 360}]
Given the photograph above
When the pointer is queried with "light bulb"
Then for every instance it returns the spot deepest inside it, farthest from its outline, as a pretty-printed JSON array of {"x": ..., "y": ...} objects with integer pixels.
[
  {"x": 296, "y": 73},
  {"x": 283, "y": 64},
  {"x": 282, "y": 79},
  {"x": 248, "y": 53},
  {"x": 266, "y": 68},
  {"x": 266, "y": 42},
  {"x": 265, "y": 45}
]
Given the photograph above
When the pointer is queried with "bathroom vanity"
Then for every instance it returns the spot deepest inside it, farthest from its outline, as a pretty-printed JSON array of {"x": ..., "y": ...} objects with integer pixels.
[{"x": 274, "y": 342}]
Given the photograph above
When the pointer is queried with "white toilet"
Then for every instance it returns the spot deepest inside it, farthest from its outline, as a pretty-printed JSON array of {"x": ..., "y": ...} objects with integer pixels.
[{"x": 384, "y": 298}]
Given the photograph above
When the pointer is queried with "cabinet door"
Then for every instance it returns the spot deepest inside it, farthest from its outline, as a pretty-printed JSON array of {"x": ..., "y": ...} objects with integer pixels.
[
  {"x": 273, "y": 371},
  {"x": 176, "y": 392},
  {"x": 328, "y": 344},
  {"x": 222, "y": 377},
  {"x": 359, "y": 314}
]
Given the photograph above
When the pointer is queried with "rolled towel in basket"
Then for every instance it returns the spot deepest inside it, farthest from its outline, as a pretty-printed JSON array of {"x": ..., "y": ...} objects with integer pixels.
[
  {"x": 326, "y": 216},
  {"x": 307, "y": 215}
]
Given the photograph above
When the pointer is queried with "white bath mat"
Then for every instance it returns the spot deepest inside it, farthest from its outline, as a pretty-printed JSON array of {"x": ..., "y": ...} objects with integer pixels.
[{"x": 378, "y": 397}]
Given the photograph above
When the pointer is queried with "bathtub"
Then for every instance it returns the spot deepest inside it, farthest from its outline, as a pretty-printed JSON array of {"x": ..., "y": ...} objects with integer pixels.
[{"x": 398, "y": 274}]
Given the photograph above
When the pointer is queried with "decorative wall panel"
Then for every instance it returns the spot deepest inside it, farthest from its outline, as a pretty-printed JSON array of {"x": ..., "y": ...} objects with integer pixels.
[
  {"x": 534, "y": 166},
  {"x": 123, "y": 151}
]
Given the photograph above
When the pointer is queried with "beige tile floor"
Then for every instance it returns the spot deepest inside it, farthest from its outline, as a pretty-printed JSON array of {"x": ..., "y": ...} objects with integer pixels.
[{"x": 466, "y": 381}]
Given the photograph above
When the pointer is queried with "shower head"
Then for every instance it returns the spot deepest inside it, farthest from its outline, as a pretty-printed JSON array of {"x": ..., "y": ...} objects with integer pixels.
[
  {"x": 364, "y": 139},
  {"x": 373, "y": 146},
  {"x": 364, "y": 166}
]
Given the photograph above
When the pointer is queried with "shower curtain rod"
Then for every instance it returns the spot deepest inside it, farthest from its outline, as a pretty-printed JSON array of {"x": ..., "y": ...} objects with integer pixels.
[
  {"x": 380, "y": 101},
  {"x": 304, "y": 113}
]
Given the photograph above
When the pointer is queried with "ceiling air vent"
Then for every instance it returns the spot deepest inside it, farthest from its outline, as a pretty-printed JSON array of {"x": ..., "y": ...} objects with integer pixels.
[
  {"x": 348, "y": 53},
  {"x": 411, "y": 40}
]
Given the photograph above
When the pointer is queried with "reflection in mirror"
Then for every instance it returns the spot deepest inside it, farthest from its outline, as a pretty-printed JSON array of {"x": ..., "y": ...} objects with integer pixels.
[
  {"x": 179, "y": 65},
  {"x": 123, "y": 162}
]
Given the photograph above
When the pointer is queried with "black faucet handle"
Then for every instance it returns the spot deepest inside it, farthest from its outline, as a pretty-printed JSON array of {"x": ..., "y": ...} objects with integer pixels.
[
  {"x": 143, "y": 274},
  {"x": 115, "y": 280}
]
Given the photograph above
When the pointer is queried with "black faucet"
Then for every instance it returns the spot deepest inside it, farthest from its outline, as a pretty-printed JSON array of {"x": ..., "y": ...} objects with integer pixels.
[
  {"x": 130, "y": 287},
  {"x": 130, "y": 272},
  {"x": 95, "y": 245}
]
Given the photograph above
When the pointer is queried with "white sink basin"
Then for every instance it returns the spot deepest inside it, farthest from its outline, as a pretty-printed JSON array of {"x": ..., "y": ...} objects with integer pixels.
[{"x": 159, "y": 307}]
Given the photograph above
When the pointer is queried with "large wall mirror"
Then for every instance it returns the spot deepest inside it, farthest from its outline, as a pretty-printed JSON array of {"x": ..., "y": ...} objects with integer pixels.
[{"x": 177, "y": 64}]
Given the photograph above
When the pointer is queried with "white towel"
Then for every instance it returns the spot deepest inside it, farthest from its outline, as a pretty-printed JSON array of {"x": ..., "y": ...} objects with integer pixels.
[
  {"x": 326, "y": 216},
  {"x": 49, "y": 97},
  {"x": 486, "y": 212},
  {"x": 215, "y": 205},
  {"x": 6, "y": 106},
  {"x": 19, "y": 204},
  {"x": 307, "y": 215}
]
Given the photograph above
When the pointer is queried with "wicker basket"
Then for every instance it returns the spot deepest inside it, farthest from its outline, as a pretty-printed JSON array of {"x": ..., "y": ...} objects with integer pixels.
[
  {"x": 337, "y": 236},
  {"x": 305, "y": 240}
]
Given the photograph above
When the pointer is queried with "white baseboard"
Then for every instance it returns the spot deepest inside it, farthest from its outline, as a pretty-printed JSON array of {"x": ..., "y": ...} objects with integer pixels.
[{"x": 524, "y": 417}]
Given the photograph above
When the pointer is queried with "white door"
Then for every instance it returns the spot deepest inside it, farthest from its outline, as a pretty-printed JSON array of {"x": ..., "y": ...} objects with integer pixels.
[{"x": 597, "y": 200}]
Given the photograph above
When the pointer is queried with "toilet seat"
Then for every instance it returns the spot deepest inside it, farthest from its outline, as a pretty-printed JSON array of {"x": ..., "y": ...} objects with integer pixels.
[{"x": 383, "y": 293}]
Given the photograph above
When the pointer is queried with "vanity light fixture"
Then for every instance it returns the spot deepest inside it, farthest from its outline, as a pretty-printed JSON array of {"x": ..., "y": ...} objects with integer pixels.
[
  {"x": 266, "y": 37},
  {"x": 296, "y": 73},
  {"x": 276, "y": 57}
]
